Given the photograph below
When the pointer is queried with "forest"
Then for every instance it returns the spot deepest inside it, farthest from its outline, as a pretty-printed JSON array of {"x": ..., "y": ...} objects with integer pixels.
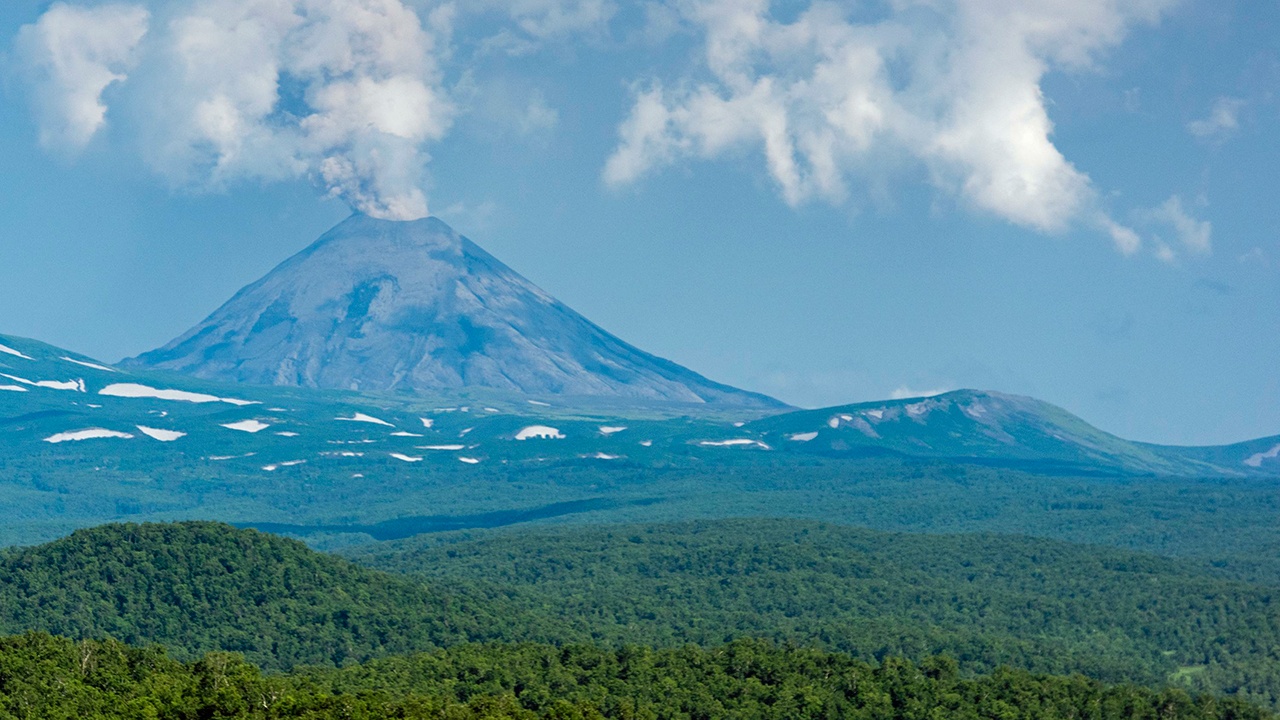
[
  {"x": 986, "y": 601},
  {"x": 49, "y": 678}
]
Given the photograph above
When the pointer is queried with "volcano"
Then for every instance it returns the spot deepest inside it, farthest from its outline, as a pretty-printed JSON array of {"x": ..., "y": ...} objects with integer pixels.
[{"x": 414, "y": 307}]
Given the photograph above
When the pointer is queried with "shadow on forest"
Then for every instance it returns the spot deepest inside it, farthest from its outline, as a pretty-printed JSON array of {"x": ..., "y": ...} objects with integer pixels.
[{"x": 404, "y": 527}]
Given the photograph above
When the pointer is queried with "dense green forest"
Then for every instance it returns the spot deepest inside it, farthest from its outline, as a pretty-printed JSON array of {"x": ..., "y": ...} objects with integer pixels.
[
  {"x": 49, "y": 678},
  {"x": 988, "y": 600},
  {"x": 198, "y": 587}
]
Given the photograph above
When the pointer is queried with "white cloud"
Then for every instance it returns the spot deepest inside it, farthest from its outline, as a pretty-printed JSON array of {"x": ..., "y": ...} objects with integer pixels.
[
  {"x": 954, "y": 85},
  {"x": 72, "y": 54},
  {"x": 529, "y": 24},
  {"x": 1195, "y": 236},
  {"x": 648, "y": 139},
  {"x": 902, "y": 392},
  {"x": 544, "y": 19},
  {"x": 538, "y": 117},
  {"x": 1126, "y": 239},
  {"x": 1255, "y": 257},
  {"x": 345, "y": 92},
  {"x": 1222, "y": 122}
]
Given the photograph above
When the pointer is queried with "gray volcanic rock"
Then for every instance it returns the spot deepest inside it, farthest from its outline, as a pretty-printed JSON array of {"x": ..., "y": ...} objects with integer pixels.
[{"x": 377, "y": 305}]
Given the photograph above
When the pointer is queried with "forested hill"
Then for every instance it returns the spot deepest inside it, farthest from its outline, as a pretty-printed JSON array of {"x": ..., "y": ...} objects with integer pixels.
[
  {"x": 988, "y": 600},
  {"x": 197, "y": 587},
  {"x": 46, "y": 678}
]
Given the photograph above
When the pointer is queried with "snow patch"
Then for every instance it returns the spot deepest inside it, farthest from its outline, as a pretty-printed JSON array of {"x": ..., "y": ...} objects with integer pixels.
[
  {"x": 877, "y": 414},
  {"x": 404, "y": 434},
  {"x": 362, "y": 418},
  {"x": 134, "y": 390},
  {"x": 469, "y": 460},
  {"x": 161, "y": 435},
  {"x": 802, "y": 437},
  {"x": 94, "y": 366},
  {"x": 833, "y": 423},
  {"x": 406, "y": 458},
  {"x": 220, "y": 458},
  {"x": 608, "y": 430},
  {"x": 88, "y": 434},
  {"x": 604, "y": 456},
  {"x": 427, "y": 422},
  {"x": 541, "y": 432},
  {"x": 277, "y": 466},
  {"x": 539, "y": 403},
  {"x": 442, "y": 447},
  {"x": 74, "y": 385},
  {"x": 13, "y": 388},
  {"x": 249, "y": 426},
  {"x": 736, "y": 442},
  {"x": 287, "y": 433},
  {"x": 10, "y": 351},
  {"x": 1256, "y": 459},
  {"x": 646, "y": 443}
]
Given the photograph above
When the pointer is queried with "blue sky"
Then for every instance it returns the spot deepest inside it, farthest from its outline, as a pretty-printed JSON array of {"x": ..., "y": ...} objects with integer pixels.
[{"x": 828, "y": 203}]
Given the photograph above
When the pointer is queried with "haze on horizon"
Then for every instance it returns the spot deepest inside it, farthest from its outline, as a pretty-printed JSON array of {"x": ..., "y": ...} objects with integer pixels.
[{"x": 1070, "y": 200}]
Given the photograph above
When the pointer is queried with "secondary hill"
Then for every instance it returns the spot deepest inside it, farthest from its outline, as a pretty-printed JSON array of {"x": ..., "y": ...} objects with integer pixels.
[
  {"x": 197, "y": 587},
  {"x": 985, "y": 599},
  {"x": 378, "y": 305},
  {"x": 1002, "y": 430},
  {"x": 46, "y": 677}
]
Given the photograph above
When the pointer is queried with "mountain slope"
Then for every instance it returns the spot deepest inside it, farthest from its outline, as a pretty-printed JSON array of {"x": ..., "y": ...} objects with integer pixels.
[
  {"x": 81, "y": 445},
  {"x": 376, "y": 305},
  {"x": 973, "y": 425}
]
